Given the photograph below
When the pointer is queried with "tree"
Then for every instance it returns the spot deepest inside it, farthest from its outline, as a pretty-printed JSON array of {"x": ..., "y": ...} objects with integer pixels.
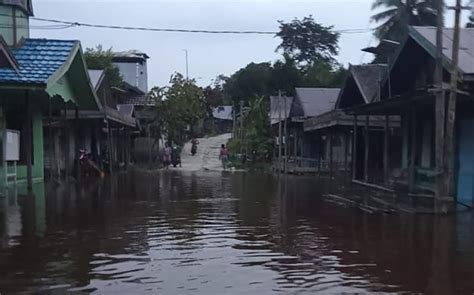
[
  {"x": 177, "y": 107},
  {"x": 398, "y": 15},
  {"x": 100, "y": 59},
  {"x": 307, "y": 42}
]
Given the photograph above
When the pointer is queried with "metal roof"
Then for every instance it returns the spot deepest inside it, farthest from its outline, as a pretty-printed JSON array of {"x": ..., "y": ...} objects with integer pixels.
[
  {"x": 368, "y": 79},
  {"x": 426, "y": 37},
  {"x": 38, "y": 60},
  {"x": 95, "y": 76},
  {"x": 131, "y": 54},
  {"x": 277, "y": 108},
  {"x": 315, "y": 101},
  {"x": 222, "y": 113}
]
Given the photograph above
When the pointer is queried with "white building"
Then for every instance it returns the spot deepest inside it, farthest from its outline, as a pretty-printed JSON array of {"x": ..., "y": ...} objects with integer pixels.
[{"x": 133, "y": 68}]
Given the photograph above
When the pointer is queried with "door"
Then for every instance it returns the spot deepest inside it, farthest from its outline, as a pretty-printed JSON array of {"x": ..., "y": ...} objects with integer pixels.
[{"x": 465, "y": 190}]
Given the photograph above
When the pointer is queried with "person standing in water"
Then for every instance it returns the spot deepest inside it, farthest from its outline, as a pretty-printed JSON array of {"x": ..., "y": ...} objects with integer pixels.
[
  {"x": 224, "y": 156},
  {"x": 167, "y": 155}
]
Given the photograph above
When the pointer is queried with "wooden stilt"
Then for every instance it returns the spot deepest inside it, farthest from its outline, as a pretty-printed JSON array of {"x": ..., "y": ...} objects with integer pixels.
[
  {"x": 286, "y": 136},
  {"x": 354, "y": 150},
  {"x": 67, "y": 147},
  {"x": 52, "y": 145},
  {"x": 331, "y": 152},
  {"x": 28, "y": 142},
  {"x": 280, "y": 132},
  {"x": 367, "y": 142},
  {"x": 109, "y": 145},
  {"x": 346, "y": 151},
  {"x": 78, "y": 147},
  {"x": 320, "y": 154},
  {"x": 411, "y": 172},
  {"x": 386, "y": 168}
]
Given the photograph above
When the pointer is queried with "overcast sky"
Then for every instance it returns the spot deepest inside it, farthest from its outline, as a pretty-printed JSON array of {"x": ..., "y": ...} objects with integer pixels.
[{"x": 209, "y": 55}]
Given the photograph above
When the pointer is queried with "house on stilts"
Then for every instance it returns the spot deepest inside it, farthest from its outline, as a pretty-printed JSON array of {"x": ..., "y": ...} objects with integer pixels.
[{"x": 409, "y": 92}]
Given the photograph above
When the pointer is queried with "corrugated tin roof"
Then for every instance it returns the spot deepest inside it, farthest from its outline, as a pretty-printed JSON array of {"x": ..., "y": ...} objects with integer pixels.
[
  {"x": 136, "y": 100},
  {"x": 131, "y": 54},
  {"x": 368, "y": 79},
  {"x": 95, "y": 76},
  {"x": 316, "y": 101},
  {"x": 277, "y": 108},
  {"x": 466, "y": 50},
  {"x": 38, "y": 60},
  {"x": 222, "y": 113}
]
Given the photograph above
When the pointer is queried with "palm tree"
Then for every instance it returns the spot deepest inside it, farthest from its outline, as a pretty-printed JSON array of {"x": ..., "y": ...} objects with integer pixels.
[{"x": 399, "y": 14}]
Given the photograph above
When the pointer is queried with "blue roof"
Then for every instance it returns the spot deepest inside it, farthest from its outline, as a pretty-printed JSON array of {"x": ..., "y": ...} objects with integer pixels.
[{"x": 38, "y": 59}]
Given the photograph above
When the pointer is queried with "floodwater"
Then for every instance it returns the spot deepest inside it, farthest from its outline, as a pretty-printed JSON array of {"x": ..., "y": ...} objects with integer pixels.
[{"x": 212, "y": 233}]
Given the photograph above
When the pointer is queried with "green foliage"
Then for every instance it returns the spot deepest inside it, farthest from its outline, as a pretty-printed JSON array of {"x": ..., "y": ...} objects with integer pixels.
[
  {"x": 177, "y": 107},
  {"x": 398, "y": 15},
  {"x": 308, "y": 42},
  {"x": 100, "y": 59}
]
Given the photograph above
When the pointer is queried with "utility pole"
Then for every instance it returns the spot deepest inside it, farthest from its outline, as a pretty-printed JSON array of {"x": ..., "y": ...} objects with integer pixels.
[
  {"x": 451, "y": 112},
  {"x": 186, "y": 56},
  {"x": 440, "y": 102}
]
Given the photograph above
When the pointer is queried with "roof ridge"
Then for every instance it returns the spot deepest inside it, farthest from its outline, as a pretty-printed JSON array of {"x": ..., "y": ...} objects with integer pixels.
[{"x": 47, "y": 39}]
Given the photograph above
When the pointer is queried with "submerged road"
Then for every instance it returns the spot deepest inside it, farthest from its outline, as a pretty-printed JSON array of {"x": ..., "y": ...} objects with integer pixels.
[{"x": 207, "y": 157}]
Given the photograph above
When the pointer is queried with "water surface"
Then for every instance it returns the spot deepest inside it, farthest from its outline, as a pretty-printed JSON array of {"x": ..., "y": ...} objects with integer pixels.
[{"x": 212, "y": 233}]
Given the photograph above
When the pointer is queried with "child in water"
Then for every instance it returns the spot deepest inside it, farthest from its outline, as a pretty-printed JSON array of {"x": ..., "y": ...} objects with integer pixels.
[{"x": 223, "y": 156}]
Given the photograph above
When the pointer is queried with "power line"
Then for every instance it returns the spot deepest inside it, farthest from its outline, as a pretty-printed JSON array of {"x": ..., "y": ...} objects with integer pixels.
[{"x": 62, "y": 24}]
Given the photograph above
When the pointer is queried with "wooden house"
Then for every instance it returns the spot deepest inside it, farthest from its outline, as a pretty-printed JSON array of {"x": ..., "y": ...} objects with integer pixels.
[
  {"x": 302, "y": 148},
  {"x": 222, "y": 119},
  {"x": 335, "y": 128},
  {"x": 409, "y": 92}
]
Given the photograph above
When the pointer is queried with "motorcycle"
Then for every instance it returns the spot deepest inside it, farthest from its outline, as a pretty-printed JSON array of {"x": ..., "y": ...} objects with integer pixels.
[
  {"x": 87, "y": 166},
  {"x": 175, "y": 157}
]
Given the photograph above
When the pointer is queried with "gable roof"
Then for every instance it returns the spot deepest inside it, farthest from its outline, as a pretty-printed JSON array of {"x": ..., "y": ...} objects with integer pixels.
[
  {"x": 96, "y": 77},
  {"x": 277, "y": 108},
  {"x": 367, "y": 79},
  {"x": 56, "y": 66},
  {"x": 38, "y": 60},
  {"x": 426, "y": 38},
  {"x": 222, "y": 113},
  {"x": 312, "y": 102}
]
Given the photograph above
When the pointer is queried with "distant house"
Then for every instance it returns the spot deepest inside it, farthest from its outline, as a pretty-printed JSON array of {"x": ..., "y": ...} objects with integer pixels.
[
  {"x": 133, "y": 68},
  {"x": 222, "y": 119},
  {"x": 307, "y": 103},
  {"x": 334, "y": 129},
  {"x": 409, "y": 93}
]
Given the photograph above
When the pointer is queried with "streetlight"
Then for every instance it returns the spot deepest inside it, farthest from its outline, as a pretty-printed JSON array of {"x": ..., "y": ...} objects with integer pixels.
[{"x": 186, "y": 55}]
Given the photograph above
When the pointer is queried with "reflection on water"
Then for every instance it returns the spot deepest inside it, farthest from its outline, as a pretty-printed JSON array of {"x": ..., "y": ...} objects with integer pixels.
[{"x": 173, "y": 233}]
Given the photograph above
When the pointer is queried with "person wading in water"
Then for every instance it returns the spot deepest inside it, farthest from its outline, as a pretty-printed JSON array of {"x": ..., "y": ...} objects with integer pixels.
[{"x": 224, "y": 156}]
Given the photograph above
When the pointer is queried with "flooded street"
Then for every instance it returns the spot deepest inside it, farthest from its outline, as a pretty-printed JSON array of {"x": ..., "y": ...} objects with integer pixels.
[{"x": 213, "y": 233}]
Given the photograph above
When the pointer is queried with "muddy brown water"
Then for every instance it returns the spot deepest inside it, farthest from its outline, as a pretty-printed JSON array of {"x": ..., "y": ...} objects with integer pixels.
[{"x": 212, "y": 233}]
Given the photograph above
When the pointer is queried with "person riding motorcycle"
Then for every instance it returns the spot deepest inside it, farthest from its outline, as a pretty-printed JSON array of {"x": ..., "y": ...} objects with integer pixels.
[{"x": 194, "y": 143}]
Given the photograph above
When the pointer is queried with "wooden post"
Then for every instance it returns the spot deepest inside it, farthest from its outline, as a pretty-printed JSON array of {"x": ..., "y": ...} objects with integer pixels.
[
  {"x": 354, "y": 149},
  {"x": 366, "y": 160},
  {"x": 241, "y": 132},
  {"x": 28, "y": 142},
  {"x": 295, "y": 144},
  {"x": 77, "y": 139},
  {"x": 286, "y": 136},
  {"x": 451, "y": 113},
  {"x": 346, "y": 151},
  {"x": 412, "y": 171},
  {"x": 234, "y": 122},
  {"x": 67, "y": 146},
  {"x": 331, "y": 143},
  {"x": 279, "y": 132},
  {"x": 386, "y": 168},
  {"x": 440, "y": 103},
  {"x": 320, "y": 154},
  {"x": 109, "y": 145},
  {"x": 52, "y": 145}
]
